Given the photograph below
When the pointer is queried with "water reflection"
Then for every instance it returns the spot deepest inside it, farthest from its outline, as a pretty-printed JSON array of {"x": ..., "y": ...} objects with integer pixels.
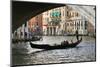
[{"x": 85, "y": 51}]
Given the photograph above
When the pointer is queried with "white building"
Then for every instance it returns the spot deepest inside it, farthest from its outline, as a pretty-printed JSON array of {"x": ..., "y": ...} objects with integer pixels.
[
  {"x": 67, "y": 20},
  {"x": 51, "y": 21},
  {"x": 22, "y": 32}
]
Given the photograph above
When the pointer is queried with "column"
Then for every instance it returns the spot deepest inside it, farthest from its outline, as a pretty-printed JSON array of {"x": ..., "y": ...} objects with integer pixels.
[
  {"x": 48, "y": 31},
  {"x": 56, "y": 31},
  {"x": 52, "y": 30},
  {"x": 83, "y": 26},
  {"x": 27, "y": 32},
  {"x": 22, "y": 30},
  {"x": 74, "y": 27}
]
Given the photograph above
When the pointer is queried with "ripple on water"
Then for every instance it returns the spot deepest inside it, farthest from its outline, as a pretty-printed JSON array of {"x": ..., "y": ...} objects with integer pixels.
[{"x": 85, "y": 51}]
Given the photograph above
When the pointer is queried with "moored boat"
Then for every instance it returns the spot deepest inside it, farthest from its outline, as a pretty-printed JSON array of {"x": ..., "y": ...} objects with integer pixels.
[{"x": 26, "y": 40}]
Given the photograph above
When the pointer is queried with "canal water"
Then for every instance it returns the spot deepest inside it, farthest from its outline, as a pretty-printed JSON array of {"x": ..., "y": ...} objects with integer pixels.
[{"x": 23, "y": 54}]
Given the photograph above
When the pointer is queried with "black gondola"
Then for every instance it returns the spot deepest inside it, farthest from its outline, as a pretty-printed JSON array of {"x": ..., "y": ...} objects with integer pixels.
[{"x": 61, "y": 46}]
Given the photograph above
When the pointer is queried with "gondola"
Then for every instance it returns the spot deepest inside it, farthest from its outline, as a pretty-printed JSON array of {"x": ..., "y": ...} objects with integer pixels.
[{"x": 60, "y": 46}]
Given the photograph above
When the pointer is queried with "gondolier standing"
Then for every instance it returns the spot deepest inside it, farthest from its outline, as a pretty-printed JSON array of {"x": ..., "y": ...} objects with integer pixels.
[{"x": 77, "y": 36}]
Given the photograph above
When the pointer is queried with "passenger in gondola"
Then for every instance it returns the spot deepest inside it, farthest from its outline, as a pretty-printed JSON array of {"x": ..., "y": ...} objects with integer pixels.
[
  {"x": 41, "y": 38},
  {"x": 66, "y": 42},
  {"x": 71, "y": 41}
]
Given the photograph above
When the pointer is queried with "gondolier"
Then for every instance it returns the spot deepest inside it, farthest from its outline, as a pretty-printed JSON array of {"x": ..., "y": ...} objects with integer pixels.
[{"x": 77, "y": 35}]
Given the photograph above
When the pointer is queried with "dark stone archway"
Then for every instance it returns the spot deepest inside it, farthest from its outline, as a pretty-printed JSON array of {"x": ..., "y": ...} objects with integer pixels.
[{"x": 23, "y": 11}]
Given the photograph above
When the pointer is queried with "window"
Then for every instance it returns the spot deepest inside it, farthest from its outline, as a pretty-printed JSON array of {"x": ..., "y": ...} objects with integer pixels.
[
  {"x": 77, "y": 14},
  {"x": 81, "y": 23},
  {"x": 67, "y": 24},
  {"x": 67, "y": 14},
  {"x": 85, "y": 24}
]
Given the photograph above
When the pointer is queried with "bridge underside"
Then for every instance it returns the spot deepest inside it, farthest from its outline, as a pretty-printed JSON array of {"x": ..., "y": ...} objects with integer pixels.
[{"x": 23, "y": 11}]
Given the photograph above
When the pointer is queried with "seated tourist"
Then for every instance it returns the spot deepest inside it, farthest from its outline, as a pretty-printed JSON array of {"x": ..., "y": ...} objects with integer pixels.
[
  {"x": 71, "y": 41},
  {"x": 66, "y": 42}
]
